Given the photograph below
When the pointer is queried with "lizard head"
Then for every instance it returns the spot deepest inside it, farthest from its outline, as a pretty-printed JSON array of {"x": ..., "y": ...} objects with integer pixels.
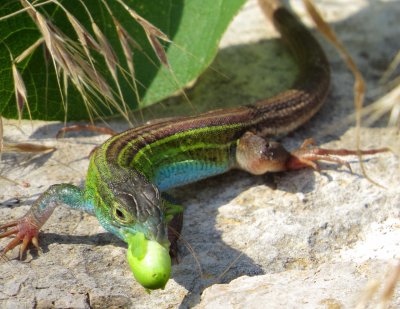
[
  {"x": 132, "y": 208},
  {"x": 127, "y": 203},
  {"x": 140, "y": 210}
]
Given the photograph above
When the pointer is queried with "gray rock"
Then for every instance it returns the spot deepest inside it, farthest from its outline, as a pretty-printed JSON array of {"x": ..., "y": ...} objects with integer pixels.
[{"x": 332, "y": 285}]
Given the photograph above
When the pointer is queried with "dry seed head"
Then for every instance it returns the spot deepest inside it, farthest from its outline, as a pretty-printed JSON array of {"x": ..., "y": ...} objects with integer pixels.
[
  {"x": 125, "y": 39},
  {"x": 126, "y": 36},
  {"x": 44, "y": 29},
  {"x": 29, "y": 8},
  {"x": 28, "y": 51},
  {"x": 152, "y": 33},
  {"x": 111, "y": 62},
  {"x": 153, "y": 29},
  {"x": 83, "y": 35},
  {"x": 20, "y": 90},
  {"x": 73, "y": 61},
  {"x": 69, "y": 61},
  {"x": 147, "y": 26},
  {"x": 158, "y": 49},
  {"x": 101, "y": 84},
  {"x": 108, "y": 52},
  {"x": 128, "y": 53}
]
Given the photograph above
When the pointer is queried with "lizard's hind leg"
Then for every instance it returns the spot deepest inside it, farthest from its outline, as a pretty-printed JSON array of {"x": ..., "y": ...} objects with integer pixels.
[{"x": 257, "y": 155}]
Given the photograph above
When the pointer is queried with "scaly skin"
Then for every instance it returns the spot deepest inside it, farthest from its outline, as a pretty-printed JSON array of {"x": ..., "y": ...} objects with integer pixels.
[{"x": 127, "y": 173}]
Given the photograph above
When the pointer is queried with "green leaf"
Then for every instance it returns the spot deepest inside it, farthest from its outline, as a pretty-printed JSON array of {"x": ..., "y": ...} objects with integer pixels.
[{"x": 195, "y": 28}]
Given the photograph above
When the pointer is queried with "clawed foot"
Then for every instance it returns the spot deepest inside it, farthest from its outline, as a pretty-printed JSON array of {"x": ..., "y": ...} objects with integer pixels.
[
  {"x": 308, "y": 155},
  {"x": 25, "y": 231}
]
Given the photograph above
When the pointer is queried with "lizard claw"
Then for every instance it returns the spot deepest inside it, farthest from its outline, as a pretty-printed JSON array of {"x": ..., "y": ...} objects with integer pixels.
[
  {"x": 308, "y": 155},
  {"x": 25, "y": 231}
]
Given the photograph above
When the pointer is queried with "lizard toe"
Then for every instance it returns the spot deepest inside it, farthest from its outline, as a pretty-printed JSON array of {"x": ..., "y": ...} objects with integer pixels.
[{"x": 25, "y": 231}]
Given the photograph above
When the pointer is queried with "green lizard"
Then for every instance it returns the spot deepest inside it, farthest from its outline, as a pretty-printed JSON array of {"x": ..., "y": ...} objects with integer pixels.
[{"x": 129, "y": 171}]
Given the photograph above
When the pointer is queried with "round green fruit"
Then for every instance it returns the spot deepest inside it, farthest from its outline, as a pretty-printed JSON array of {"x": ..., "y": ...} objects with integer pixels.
[{"x": 149, "y": 261}]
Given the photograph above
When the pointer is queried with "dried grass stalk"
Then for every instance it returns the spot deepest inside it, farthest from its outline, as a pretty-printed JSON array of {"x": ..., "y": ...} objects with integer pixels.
[
  {"x": 1, "y": 135},
  {"x": 359, "y": 83},
  {"x": 73, "y": 60}
]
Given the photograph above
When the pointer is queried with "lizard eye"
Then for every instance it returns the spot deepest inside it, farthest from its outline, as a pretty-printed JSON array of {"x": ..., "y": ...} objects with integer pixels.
[{"x": 121, "y": 215}]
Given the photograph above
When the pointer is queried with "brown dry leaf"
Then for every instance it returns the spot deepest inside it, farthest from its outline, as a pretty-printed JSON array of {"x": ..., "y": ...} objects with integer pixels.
[{"x": 26, "y": 147}]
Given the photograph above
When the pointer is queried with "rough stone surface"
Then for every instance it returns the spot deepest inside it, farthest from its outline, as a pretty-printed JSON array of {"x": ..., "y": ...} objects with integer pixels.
[
  {"x": 299, "y": 239},
  {"x": 326, "y": 286}
]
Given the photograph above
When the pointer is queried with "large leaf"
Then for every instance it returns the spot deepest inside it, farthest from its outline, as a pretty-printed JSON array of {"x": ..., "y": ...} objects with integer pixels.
[{"x": 195, "y": 28}]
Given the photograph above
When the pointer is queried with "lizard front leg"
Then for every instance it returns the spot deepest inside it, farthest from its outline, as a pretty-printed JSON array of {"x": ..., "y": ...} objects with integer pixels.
[
  {"x": 174, "y": 217},
  {"x": 26, "y": 228},
  {"x": 257, "y": 155}
]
